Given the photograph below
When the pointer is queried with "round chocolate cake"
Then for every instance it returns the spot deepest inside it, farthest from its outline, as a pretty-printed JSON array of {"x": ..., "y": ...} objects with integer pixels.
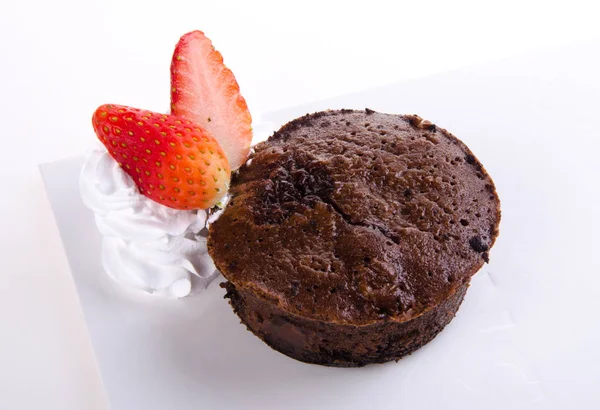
[{"x": 351, "y": 236}]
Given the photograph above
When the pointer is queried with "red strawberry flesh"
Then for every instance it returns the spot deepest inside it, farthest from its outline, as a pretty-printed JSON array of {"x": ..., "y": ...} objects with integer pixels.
[{"x": 205, "y": 91}]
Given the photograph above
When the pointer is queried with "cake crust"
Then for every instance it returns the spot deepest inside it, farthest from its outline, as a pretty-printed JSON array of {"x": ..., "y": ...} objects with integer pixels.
[{"x": 317, "y": 342}]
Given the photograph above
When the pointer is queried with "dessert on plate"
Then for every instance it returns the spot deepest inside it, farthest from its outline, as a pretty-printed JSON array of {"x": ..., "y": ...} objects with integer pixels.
[
  {"x": 347, "y": 238},
  {"x": 364, "y": 230}
]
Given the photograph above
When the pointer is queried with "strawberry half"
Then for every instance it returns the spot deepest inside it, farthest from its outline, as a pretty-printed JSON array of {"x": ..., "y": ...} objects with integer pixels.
[
  {"x": 203, "y": 90},
  {"x": 172, "y": 160}
]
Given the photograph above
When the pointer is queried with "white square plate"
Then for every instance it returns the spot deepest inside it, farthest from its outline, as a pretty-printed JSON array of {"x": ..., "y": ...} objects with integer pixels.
[{"x": 521, "y": 333}]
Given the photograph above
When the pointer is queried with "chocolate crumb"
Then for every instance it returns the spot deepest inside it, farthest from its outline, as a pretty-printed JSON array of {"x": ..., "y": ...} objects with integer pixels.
[{"x": 477, "y": 244}]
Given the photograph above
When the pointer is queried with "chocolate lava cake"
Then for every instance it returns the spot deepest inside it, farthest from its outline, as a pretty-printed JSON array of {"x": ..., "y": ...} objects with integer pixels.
[{"x": 351, "y": 236}]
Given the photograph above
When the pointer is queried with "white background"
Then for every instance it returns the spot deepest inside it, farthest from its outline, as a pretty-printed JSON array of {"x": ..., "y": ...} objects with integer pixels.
[{"x": 61, "y": 59}]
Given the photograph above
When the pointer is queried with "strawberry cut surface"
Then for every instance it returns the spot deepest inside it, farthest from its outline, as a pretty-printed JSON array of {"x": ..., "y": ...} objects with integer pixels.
[
  {"x": 205, "y": 91},
  {"x": 172, "y": 160}
]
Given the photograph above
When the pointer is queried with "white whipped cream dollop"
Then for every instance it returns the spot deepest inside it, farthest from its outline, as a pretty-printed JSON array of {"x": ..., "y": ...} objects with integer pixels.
[{"x": 146, "y": 246}]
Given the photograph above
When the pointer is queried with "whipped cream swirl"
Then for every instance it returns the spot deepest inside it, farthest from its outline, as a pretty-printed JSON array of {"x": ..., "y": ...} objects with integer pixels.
[{"x": 146, "y": 246}]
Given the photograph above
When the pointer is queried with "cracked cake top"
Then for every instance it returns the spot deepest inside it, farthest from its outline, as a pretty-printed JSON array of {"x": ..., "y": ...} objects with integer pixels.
[{"x": 357, "y": 216}]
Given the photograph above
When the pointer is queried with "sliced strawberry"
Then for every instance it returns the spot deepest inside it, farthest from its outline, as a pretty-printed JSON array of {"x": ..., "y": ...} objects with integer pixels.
[
  {"x": 206, "y": 92},
  {"x": 172, "y": 160}
]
